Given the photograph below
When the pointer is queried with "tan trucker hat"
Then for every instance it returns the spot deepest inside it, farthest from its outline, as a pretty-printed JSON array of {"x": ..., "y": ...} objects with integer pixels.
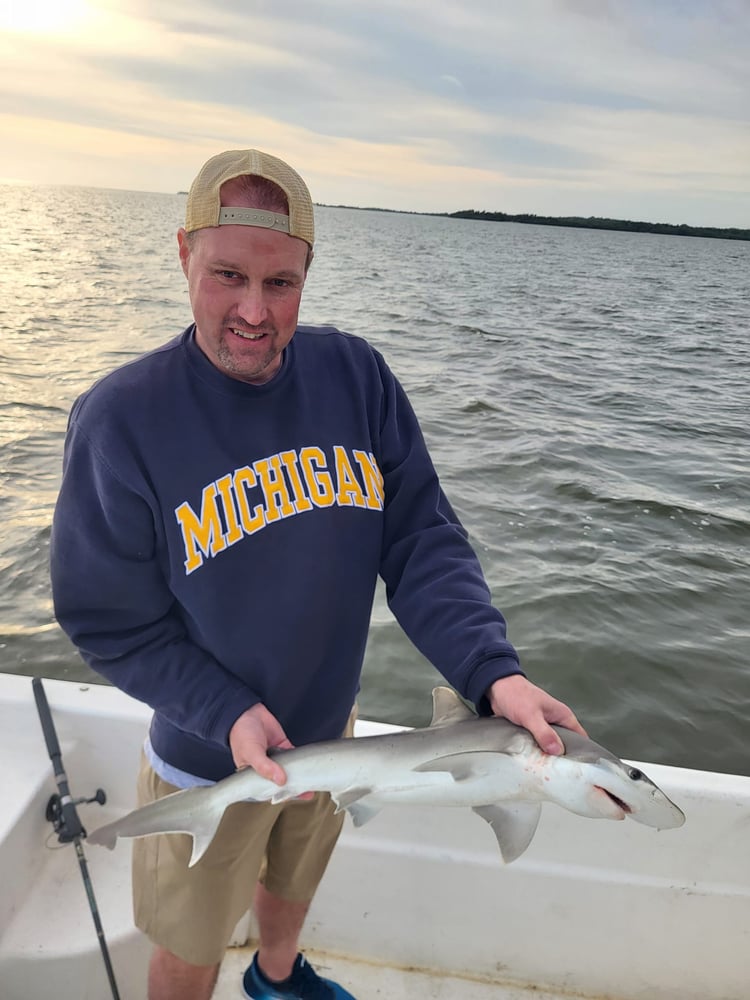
[{"x": 204, "y": 207}]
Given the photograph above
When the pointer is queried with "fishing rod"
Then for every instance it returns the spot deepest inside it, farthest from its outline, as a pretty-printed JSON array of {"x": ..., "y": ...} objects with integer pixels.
[{"x": 63, "y": 815}]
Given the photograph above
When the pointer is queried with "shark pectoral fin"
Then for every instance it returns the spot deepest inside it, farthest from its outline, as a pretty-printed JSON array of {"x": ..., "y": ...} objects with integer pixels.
[
  {"x": 448, "y": 708},
  {"x": 463, "y": 766},
  {"x": 513, "y": 824}
]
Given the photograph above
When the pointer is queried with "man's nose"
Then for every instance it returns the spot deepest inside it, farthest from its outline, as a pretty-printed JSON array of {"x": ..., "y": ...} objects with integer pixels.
[{"x": 252, "y": 307}]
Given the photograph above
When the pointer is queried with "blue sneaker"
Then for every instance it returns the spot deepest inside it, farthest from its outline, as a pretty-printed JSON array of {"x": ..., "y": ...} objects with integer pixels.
[{"x": 303, "y": 984}]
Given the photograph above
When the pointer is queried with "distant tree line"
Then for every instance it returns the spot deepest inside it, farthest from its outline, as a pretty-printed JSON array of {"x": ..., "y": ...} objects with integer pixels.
[{"x": 596, "y": 223}]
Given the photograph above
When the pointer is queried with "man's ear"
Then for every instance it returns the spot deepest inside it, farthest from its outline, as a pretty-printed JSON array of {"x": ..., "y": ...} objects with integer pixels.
[{"x": 184, "y": 244}]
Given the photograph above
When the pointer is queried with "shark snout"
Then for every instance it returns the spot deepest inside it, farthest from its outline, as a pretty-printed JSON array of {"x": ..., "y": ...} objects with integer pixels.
[
  {"x": 659, "y": 811},
  {"x": 631, "y": 793}
]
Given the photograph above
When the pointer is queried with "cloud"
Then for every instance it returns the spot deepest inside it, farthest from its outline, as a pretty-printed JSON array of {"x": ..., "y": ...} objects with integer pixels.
[
  {"x": 452, "y": 80},
  {"x": 530, "y": 107}
]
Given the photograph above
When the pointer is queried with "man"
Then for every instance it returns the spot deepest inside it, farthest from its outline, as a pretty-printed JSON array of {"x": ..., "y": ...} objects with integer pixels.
[{"x": 228, "y": 502}]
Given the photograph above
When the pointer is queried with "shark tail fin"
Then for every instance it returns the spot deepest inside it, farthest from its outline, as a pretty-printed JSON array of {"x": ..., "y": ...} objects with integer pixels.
[
  {"x": 203, "y": 832},
  {"x": 196, "y": 811},
  {"x": 104, "y": 836}
]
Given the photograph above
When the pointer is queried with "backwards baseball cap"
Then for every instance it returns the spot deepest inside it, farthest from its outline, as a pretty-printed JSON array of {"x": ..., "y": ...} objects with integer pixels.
[{"x": 204, "y": 207}]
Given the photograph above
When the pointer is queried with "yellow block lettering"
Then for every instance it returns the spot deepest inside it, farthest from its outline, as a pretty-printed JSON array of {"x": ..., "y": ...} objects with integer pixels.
[
  {"x": 318, "y": 480},
  {"x": 244, "y": 480},
  {"x": 301, "y": 501},
  {"x": 349, "y": 491},
  {"x": 234, "y": 531},
  {"x": 373, "y": 479},
  {"x": 202, "y": 536},
  {"x": 273, "y": 484}
]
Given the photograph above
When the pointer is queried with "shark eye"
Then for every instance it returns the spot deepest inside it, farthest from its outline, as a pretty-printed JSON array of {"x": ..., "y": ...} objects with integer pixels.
[{"x": 634, "y": 774}]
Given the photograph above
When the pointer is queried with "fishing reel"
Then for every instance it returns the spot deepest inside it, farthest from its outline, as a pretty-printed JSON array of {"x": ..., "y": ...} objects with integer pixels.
[{"x": 61, "y": 813}]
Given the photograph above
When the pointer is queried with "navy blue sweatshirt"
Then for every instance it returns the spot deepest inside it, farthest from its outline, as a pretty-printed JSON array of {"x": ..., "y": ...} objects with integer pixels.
[{"x": 217, "y": 544}]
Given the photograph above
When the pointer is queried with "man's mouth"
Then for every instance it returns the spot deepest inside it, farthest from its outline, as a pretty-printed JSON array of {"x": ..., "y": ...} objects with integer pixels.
[{"x": 246, "y": 334}]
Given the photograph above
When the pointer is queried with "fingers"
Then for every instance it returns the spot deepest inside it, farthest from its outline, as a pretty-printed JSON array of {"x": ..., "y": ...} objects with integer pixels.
[
  {"x": 255, "y": 756},
  {"x": 569, "y": 721},
  {"x": 557, "y": 713},
  {"x": 520, "y": 701},
  {"x": 542, "y": 731},
  {"x": 546, "y": 737},
  {"x": 270, "y": 769},
  {"x": 250, "y": 738}
]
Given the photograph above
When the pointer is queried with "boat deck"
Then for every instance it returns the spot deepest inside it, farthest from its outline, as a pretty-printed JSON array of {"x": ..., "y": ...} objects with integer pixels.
[{"x": 367, "y": 981}]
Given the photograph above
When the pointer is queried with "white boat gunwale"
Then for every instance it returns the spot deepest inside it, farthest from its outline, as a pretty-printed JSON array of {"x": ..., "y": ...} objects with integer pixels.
[{"x": 592, "y": 909}]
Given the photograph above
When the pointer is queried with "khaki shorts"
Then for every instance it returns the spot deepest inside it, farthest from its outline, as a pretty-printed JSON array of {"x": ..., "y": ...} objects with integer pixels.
[{"x": 192, "y": 912}]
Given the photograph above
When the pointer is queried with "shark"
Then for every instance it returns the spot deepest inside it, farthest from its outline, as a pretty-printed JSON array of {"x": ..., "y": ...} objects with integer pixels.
[{"x": 489, "y": 765}]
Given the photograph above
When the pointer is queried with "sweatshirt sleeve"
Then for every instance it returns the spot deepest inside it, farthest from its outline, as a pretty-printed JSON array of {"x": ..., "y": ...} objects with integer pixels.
[
  {"x": 113, "y": 601},
  {"x": 434, "y": 582}
]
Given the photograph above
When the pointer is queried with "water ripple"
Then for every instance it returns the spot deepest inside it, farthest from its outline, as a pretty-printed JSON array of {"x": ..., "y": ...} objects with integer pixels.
[{"x": 584, "y": 394}]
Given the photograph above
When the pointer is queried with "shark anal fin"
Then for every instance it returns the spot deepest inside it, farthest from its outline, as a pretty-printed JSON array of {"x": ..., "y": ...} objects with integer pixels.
[{"x": 513, "y": 824}]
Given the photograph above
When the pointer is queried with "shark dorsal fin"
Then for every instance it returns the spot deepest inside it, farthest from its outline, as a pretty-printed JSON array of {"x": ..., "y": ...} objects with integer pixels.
[{"x": 447, "y": 708}]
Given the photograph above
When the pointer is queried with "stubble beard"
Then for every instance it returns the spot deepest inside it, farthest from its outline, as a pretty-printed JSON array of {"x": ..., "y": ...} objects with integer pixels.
[{"x": 255, "y": 370}]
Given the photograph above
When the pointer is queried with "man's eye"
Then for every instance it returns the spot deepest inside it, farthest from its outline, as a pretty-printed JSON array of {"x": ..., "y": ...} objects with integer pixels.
[{"x": 230, "y": 275}]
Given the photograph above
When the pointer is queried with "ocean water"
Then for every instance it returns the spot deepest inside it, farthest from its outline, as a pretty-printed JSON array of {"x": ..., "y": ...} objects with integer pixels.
[{"x": 585, "y": 396}]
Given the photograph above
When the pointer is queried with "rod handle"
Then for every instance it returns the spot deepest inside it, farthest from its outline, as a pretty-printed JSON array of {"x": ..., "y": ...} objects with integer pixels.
[
  {"x": 70, "y": 826},
  {"x": 48, "y": 726}
]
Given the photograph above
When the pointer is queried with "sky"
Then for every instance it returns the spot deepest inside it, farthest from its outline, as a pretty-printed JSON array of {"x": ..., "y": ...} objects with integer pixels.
[{"x": 631, "y": 109}]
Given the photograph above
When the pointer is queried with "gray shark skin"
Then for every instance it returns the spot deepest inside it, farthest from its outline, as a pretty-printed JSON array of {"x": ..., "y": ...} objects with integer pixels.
[{"x": 487, "y": 764}]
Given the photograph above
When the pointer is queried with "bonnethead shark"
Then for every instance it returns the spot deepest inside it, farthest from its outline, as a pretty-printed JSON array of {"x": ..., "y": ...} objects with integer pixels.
[{"x": 488, "y": 764}]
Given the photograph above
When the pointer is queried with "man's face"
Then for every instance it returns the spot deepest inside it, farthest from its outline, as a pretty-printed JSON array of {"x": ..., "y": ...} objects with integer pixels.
[{"x": 245, "y": 285}]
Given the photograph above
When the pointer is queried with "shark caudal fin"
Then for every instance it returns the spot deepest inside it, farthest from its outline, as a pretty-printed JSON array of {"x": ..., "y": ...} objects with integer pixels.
[
  {"x": 203, "y": 833},
  {"x": 196, "y": 811}
]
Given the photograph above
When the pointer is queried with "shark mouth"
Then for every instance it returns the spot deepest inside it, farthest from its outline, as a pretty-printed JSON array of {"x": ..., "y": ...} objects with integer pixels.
[{"x": 617, "y": 801}]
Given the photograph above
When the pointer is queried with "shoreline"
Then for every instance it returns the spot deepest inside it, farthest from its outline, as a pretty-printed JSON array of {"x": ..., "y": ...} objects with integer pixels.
[{"x": 572, "y": 222}]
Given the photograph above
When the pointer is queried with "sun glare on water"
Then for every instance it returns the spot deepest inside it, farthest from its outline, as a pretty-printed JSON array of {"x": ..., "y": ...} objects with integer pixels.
[{"x": 43, "y": 17}]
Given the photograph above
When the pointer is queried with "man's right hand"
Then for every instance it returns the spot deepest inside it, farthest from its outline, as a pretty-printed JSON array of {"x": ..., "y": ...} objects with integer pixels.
[{"x": 250, "y": 738}]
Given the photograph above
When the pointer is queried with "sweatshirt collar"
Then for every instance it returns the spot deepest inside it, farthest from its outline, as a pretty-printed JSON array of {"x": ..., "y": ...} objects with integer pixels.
[{"x": 208, "y": 372}]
